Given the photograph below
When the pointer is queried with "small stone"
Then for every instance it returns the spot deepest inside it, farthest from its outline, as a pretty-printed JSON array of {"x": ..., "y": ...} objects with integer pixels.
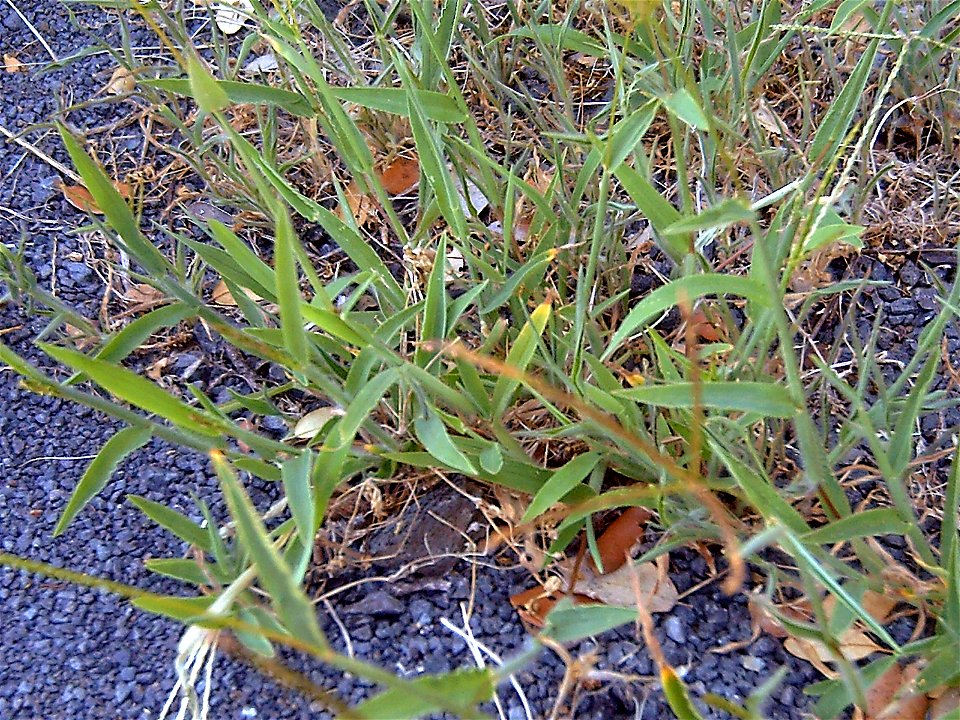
[
  {"x": 903, "y": 306},
  {"x": 752, "y": 663},
  {"x": 909, "y": 274},
  {"x": 926, "y": 298},
  {"x": 376, "y": 604},
  {"x": 675, "y": 631},
  {"x": 274, "y": 423}
]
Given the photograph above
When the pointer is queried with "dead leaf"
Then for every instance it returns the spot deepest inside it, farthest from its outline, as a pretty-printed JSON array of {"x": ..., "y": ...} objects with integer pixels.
[
  {"x": 232, "y": 16},
  {"x": 909, "y": 703},
  {"x": 126, "y": 192},
  {"x": 706, "y": 328},
  {"x": 854, "y": 644},
  {"x": 401, "y": 175},
  {"x": 360, "y": 205},
  {"x": 80, "y": 198},
  {"x": 314, "y": 421},
  {"x": 263, "y": 64},
  {"x": 617, "y": 542},
  {"x": 221, "y": 295},
  {"x": 947, "y": 701},
  {"x": 764, "y": 620},
  {"x": 142, "y": 293},
  {"x": 155, "y": 371},
  {"x": 121, "y": 82},
  {"x": 535, "y": 604},
  {"x": 878, "y": 605},
  {"x": 882, "y": 692},
  {"x": 12, "y": 64},
  {"x": 657, "y": 591},
  {"x": 81, "y": 341}
]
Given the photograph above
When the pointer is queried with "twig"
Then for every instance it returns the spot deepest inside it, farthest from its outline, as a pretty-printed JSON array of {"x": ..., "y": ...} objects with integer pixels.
[
  {"x": 42, "y": 155},
  {"x": 36, "y": 33}
]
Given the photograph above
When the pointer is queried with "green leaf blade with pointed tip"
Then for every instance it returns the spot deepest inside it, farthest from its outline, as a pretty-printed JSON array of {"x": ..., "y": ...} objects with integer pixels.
[{"x": 98, "y": 473}]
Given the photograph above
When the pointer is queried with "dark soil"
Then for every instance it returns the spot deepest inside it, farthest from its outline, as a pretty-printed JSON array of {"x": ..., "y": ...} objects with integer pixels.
[{"x": 69, "y": 652}]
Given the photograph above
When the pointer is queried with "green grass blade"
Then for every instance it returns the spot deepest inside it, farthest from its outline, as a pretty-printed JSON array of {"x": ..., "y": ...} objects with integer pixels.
[
  {"x": 292, "y": 606},
  {"x": 433, "y": 434},
  {"x": 177, "y": 523},
  {"x": 288, "y": 288},
  {"x": 98, "y": 473},
  {"x": 688, "y": 289},
  {"x": 764, "y": 399},
  {"x": 875, "y": 521},
  {"x": 462, "y": 690},
  {"x": 114, "y": 208},
  {"x": 560, "y": 483},
  {"x": 131, "y": 388},
  {"x": 296, "y": 474},
  {"x": 520, "y": 356}
]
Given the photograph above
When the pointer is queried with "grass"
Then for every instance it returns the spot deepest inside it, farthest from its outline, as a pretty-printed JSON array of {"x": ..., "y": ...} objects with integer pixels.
[{"x": 563, "y": 150}]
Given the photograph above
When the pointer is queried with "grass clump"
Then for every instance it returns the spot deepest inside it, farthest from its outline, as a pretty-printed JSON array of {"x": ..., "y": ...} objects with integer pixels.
[{"x": 622, "y": 217}]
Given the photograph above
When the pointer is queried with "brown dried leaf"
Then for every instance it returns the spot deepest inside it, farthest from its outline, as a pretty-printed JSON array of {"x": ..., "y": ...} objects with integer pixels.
[
  {"x": 80, "y": 198},
  {"x": 401, "y": 175},
  {"x": 909, "y": 704},
  {"x": 945, "y": 702},
  {"x": 155, "y": 371},
  {"x": 535, "y": 604},
  {"x": 878, "y": 605},
  {"x": 854, "y": 645},
  {"x": 764, "y": 620},
  {"x": 142, "y": 293},
  {"x": 706, "y": 328},
  {"x": 81, "y": 341},
  {"x": 221, "y": 295},
  {"x": 882, "y": 692},
  {"x": 657, "y": 592},
  {"x": 12, "y": 64},
  {"x": 121, "y": 82},
  {"x": 359, "y": 204},
  {"x": 808, "y": 650},
  {"x": 618, "y": 541}
]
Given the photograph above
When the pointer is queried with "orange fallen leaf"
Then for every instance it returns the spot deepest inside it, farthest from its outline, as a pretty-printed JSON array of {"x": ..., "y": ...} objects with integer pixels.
[
  {"x": 401, "y": 175},
  {"x": 704, "y": 327},
  {"x": 618, "y": 540},
  {"x": 126, "y": 192},
  {"x": 908, "y": 703},
  {"x": 12, "y": 64},
  {"x": 878, "y": 605},
  {"x": 535, "y": 604},
  {"x": 80, "y": 198},
  {"x": 883, "y": 690}
]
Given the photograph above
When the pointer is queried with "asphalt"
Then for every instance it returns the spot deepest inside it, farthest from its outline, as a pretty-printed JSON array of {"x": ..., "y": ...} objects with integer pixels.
[{"x": 68, "y": 652}]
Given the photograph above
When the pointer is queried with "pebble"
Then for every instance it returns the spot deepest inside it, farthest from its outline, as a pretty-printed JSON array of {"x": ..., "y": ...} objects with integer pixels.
[
  {"x": 752, "y": 663},
  {"x": 377, "y": 604},
  {"x": 675, "y": 630}
]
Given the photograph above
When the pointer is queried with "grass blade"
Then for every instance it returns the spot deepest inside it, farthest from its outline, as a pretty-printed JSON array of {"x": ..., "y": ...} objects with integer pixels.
[{"x": 99, "y": 471}]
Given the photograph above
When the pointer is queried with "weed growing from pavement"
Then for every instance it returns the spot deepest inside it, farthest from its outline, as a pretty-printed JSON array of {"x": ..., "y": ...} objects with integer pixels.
[{"x": 495, "y": 177}]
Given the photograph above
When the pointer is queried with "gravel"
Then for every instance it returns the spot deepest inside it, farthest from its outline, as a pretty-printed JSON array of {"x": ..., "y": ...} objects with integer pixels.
[{"x": 70, "y": 652}]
